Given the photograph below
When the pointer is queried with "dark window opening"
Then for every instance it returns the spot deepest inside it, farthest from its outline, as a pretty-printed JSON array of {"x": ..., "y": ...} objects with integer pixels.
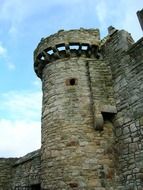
[
  {"x": 35, "y": 187},
  {"x": 71, "y": 82},
  {"x": 97, "y": 56},
  {"x": 108, "y": 116}
]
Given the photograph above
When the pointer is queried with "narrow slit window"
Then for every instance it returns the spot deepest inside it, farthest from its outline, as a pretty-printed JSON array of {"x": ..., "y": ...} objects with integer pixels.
[{"x": 71, "y": 82}]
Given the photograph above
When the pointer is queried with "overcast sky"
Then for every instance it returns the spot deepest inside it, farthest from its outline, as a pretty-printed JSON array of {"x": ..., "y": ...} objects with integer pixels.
[{"x": 22, "y": 24}]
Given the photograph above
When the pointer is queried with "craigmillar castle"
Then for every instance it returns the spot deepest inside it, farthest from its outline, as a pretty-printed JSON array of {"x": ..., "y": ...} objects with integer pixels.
[{"x": 92, "y": 115}]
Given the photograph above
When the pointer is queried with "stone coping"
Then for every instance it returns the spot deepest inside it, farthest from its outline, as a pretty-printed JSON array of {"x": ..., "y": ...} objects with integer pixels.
[{"x": 28, "y": 157}]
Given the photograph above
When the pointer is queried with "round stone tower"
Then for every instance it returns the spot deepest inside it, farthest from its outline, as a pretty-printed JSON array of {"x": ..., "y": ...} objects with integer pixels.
[{"x": 78, "y": 103}]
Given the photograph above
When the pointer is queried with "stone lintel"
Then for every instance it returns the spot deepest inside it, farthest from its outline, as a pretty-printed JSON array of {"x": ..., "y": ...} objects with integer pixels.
[{"x": 108, "y": 109}]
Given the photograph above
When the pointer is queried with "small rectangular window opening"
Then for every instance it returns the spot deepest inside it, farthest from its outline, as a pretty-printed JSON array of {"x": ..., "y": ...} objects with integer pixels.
[
  {"x": 71, "y": 82},
  {"x": 50, "y": 52},
  {"x": 61, "y": 48},
  {"x": 35, "y": 187},
  {"x": 74, "y": 47},
  {"x": 108, "y": 116},
  {"x": 84, "y": 47}
]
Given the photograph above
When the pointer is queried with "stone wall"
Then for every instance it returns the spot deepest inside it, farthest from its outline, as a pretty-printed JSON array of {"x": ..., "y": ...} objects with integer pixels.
[
  {"x": 20, "y": 173},
  {"x": 6, "y": 173},
  {"x": 26, "y": 171},
  {"x": 126, "y": 61}
]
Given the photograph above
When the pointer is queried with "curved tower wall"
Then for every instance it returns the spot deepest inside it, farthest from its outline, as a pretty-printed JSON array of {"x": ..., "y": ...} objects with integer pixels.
[{"x": 77, "y": 139}]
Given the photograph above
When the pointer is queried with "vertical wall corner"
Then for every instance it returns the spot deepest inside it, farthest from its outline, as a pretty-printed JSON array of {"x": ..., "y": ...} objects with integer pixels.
[{"x": 140, "y": 17}]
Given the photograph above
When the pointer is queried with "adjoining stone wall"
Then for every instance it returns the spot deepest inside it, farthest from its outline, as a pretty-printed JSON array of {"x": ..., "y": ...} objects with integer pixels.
[
  {"x": 126, "y": 61},
  {"x": 135, "y": 79},
  {"x": 6, "y": 172},
  {"x": 26, "y": 171}
]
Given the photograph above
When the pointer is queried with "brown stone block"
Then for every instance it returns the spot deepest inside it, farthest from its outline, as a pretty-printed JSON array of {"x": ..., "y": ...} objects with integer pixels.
[
  {"x": 72, "y": 143},
  {"x": 73, "y": 184}
]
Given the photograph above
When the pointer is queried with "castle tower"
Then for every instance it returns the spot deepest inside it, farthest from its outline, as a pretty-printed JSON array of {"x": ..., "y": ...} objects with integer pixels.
[
  {"x": 91, "y": 140},
  {"x": 78, "y": 106}
]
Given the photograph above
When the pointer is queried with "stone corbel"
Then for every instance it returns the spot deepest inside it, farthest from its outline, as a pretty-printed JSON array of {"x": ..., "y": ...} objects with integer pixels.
[{"x": 99, "y": 121}]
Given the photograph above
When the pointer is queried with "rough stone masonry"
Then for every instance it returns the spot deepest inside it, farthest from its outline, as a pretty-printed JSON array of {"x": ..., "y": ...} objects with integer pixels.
[{"x": 92, "y": 115}]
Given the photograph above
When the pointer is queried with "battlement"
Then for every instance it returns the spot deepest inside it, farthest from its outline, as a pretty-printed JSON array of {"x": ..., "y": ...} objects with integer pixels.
[{"x": 72, "y": 43}]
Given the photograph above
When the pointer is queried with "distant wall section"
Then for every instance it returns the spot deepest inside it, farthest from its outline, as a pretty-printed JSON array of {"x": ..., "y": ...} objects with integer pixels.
[{"x": 26, "y": 171}]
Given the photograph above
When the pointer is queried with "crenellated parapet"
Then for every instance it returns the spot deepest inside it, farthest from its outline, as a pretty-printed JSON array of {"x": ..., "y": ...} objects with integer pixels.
[{"x": 65, "y": 44}]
